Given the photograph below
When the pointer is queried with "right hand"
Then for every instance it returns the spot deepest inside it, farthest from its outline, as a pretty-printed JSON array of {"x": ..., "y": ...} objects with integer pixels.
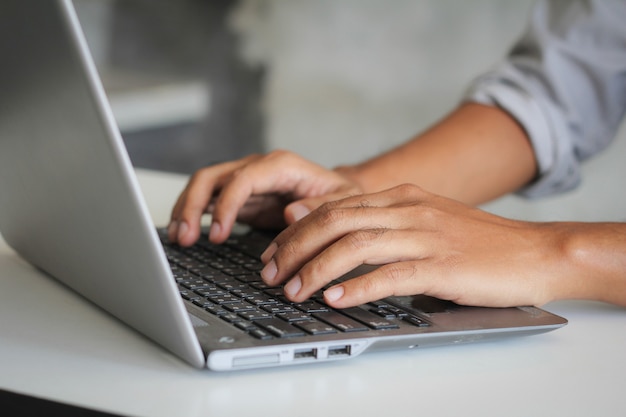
[{"x": 269, "y": 191}]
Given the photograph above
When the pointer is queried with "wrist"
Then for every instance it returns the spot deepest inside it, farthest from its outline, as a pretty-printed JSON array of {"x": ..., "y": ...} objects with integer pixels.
[{"x": 594, "y": 256}]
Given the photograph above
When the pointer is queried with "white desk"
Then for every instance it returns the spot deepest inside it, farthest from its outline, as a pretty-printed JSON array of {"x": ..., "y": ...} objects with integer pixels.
[{"x": 56, "y": 345}]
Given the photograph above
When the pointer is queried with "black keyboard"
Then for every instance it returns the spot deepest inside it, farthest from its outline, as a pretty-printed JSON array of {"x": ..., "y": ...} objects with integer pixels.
[{"x": 225, "y": 281}]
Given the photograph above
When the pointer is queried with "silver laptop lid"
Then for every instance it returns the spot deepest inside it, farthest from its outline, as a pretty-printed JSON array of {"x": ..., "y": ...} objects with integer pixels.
[{"x": 69, "y": 201}]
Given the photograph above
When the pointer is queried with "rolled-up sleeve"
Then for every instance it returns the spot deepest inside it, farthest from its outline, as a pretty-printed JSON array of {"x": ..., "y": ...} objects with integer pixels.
[{"x": 565, "y": 83}]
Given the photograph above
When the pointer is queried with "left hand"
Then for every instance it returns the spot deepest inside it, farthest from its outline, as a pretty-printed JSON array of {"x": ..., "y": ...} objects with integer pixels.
[
  {"x": 269, "y": 190},
  {"x": 424, "y": 244}
]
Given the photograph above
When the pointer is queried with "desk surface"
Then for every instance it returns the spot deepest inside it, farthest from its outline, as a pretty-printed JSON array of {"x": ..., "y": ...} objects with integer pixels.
[{"x": 56, "y": 345}]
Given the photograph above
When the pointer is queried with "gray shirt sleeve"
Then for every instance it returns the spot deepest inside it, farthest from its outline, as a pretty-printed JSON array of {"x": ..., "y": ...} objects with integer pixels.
[{"x": 565, "y": 83}]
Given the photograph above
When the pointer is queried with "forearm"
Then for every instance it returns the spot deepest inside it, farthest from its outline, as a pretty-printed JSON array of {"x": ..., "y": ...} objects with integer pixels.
[
  {"x": 593, "y": 261},
  {"x": 475, "y": 154}
]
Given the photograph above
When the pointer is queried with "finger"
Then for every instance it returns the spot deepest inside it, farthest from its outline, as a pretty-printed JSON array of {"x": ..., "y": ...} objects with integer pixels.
[
  {"x": 194, "y": 201},
  {"x": 395, "y": 279},
  {"x": 304, "y": 240},
  {"x": 430, "y": 276},
  {"x": 361, "y": 247},
  {"x": 243, "y": 190},
  {"x": 184, "y": 227},
  {"x": 278, "y": 173},
  {"x": 396, "y": 197}
]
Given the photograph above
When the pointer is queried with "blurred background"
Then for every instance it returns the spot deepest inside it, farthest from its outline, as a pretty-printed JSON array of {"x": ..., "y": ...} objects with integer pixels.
[{"x": 196, "y": 82}]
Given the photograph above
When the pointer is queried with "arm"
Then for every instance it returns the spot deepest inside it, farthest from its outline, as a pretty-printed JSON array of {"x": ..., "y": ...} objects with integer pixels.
[
  {"x": 475, "y": 154},
  {"x": 563, "y": 83}
]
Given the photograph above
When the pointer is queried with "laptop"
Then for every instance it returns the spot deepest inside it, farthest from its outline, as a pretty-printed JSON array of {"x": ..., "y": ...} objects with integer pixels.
[{"x": 71, "y": 206}]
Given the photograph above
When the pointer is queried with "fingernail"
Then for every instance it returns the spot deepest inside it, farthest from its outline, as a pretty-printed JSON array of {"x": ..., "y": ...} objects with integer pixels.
[
  {"x": 299, "y": 211},
  {"x": 215, "y": 231},
  {"x": 182, "y": 230},
  {"x": 334, "y": 293},
  {"x": 293, "y": 286},
  {"x": 268, "y": 273},
  {"x": 269, "y": 252},
  {"x": 172, "y": 230}
]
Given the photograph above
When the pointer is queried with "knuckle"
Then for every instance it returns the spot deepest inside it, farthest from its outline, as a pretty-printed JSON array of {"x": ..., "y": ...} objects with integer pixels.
[
  {"x": 199, "y": 176},
  {"x": 313, "y": 270},
  {"x": 288, "y": 249},
  {"x": 280, "y": 155},
  {"x": 365, "y": 238},
  {"x": 370, "y": 285},
  {"x": 410, "y": 191},
  {"x": 240, "y": 173},
  {"x": 329, "y": 213},
  {"x": 252, "y": 157},
  {"x": 394, "y": 275},
  {"x": 429, "y": 215},
  {"x": 367, "y": 287}
]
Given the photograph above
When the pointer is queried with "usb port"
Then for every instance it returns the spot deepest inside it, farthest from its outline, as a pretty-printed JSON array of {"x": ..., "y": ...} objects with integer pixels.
[
  {"x": 305, "y": 353},
  {"x": 343, "y": 350}
]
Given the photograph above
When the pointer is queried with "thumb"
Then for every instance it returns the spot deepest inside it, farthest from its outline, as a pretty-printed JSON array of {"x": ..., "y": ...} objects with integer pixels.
[{"x": 298, "y": 209}]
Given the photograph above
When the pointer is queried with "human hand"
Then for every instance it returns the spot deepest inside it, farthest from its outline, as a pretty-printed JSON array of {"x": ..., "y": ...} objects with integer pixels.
[
  {"x": 268, "y": 191},
  {"x": 424, "y": 244}
]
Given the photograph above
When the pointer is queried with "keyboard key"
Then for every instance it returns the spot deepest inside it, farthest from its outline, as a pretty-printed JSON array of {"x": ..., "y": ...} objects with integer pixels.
[
  {"x": 370, "y": 319},
  {"x": 202, "y": 302},
  {"x": 395, "y": 310},
  {"x": 245, "y": 325},
  {"x": 277, "y": 308},
  {"x": 231, "y": 317},
  {"x": 280, "y": 328},
  {"x": 293, "y": 316},
  {"x": 341, "y": 322},
  {"x": 249, "y": 277},
  {"x": 188, "y": 294},
  {"x": 315, "y": 327},
  {"x": 194, "y": 284},
  {"x": 257, "y": 314},
  {"x": 262, "y": 300},
  {"x": 416, "y": 321},
  {"x": 205, "y": 271},
  {"x": 234, "y": 286},
  {"x": 260, "y": 334},
  {"x": 211, "y": 291},
  {"x": 239, "y": 307},
  {"x": 215, "y": 309},
  {"x": 274, "y": 292},
  {"x": 383, "y": 313},
  {"x": 310, "y": 307},
  {"x": 224, "y": 299}
]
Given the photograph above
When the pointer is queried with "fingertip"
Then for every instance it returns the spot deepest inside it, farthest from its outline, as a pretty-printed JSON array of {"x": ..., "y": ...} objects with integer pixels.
[
  {"x": 172, "y": 231},
  {"x": 269, "y": 252},
  {"x": 269, "y": 272},
  {"x": 215, "y": 232},
  {"x": 293, "y": 287},
  {"x": 182, "y": 235},
  {"x": 296, "y": 211},
  {"x": 186, "y": 235},
  {"x": 334, "y": 294}
]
